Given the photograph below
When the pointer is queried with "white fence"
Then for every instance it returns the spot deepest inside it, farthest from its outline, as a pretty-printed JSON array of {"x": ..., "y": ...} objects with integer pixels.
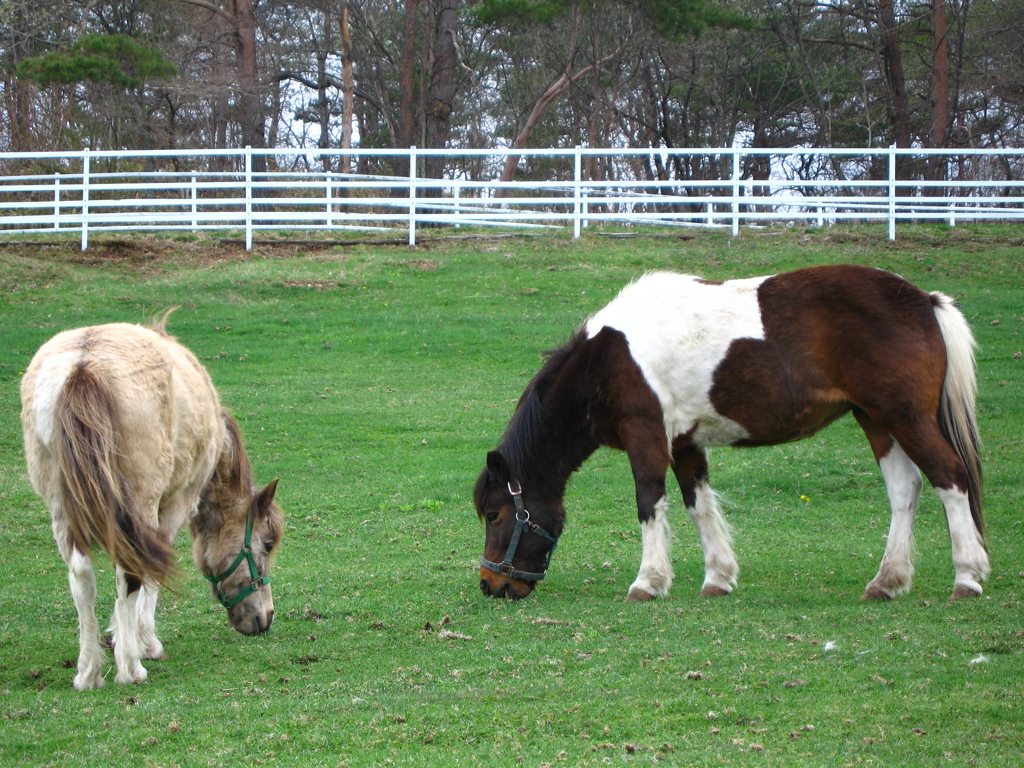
[{"x": 262, "y": 189}]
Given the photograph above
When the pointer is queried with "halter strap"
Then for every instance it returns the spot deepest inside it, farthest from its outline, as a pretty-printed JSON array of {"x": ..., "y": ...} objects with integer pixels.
[
  {"x": 522, "y": 522},
  {"x": 245, "y": 553}
]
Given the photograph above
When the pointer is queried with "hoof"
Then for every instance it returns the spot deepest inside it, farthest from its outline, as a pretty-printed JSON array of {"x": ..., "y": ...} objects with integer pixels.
[
  {"x": 876, "y": 593},
  {"x": 137, "y": 677},
  {"x": 639, "y": 596},
  {"x": 713, "y": 590},
  {"x": 88, "y": 683},
  {"x": 962, "y": 591},
  {"x": 154, "y": 651}
]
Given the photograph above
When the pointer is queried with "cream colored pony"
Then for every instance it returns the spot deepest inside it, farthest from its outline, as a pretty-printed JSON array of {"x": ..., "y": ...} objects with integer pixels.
[{"x": 126, "y": 441}]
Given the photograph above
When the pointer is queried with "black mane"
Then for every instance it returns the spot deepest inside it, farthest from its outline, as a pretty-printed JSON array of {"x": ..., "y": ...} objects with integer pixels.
[{"x": 543, "y": 435}]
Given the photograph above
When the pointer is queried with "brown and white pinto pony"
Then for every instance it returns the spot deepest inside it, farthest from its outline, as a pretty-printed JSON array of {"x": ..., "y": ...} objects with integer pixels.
[
  {"x": 676, "y": 364},
  {"x": 126, "y": 441}
]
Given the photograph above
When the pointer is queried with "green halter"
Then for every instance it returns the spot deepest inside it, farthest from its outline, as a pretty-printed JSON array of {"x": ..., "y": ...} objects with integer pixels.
[{"x": 244, "y": 554}]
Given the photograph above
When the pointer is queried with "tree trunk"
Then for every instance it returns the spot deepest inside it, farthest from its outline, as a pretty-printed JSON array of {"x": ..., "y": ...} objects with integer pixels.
[
  {"x": 323, "y": 105},
  {"x": 892, "y": 59},
  {"x": 553, "y": 92},
  {"x": 939, "y": 101},
  {"x": 940, "y": 77},
  {"x": 406, "y": 87},
  {"x": 18, "y": 91},
  {"x": 348, "y": 86},
  {"x": 550, "y": 96},
  {"x": 250, "y": 106},
  {"x": 441, "y": 94}
]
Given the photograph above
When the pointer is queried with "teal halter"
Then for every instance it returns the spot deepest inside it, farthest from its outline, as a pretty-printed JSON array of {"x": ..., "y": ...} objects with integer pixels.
[
  {"x": 522, "y": 521},
  {"x": 245, "y": 553}
]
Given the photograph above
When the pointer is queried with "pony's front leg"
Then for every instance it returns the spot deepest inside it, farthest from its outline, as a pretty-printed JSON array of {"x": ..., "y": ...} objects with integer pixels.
[
  {"x": 690, "y": 465},
  {"x": 656, "y": 574},
  {"x": 126, "y": 630},
  {"x": 649, "y": 467},
  {"x": 150, "y": 646}
]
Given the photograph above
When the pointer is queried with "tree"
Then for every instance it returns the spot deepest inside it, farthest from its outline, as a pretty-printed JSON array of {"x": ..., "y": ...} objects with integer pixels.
[
  {"x": 671, "y": 19},
  {"x": 241, "y": 18},
  {"x": 441, "y": 96}
]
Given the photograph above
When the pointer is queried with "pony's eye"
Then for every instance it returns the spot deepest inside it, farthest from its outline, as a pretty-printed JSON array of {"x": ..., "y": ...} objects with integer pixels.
[{"x": 268, "y": 547}]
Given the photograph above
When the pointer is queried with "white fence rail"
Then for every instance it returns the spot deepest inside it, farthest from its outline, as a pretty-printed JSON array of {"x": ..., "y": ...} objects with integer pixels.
[{"x": 261, "y": 189}]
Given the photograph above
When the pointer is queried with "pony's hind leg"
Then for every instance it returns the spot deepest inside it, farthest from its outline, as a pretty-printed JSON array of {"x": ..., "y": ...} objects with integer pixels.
[
  {"x": 721, "y": 570},
  {"x": 82, "y": 580},
  {"x": 720, "y": 567},
  {"x": 903, "y": 484},
  {"x": 970, "y": 558},
  {"x": 926, "y": 447},
  {"x": 126, "y": 630}
]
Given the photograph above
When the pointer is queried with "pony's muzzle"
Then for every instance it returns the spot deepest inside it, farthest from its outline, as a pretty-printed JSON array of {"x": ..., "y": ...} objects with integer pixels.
[
  {"x": 257, "y": 624},
  {"x": 496, "y": 585},
  {"x": 254, "y": 615}
]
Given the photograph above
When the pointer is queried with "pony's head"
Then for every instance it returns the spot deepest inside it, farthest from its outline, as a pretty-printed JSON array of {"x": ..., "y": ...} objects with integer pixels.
[
  {"x": 234, "y": 534},
  {"x": 522, "y": 527}
]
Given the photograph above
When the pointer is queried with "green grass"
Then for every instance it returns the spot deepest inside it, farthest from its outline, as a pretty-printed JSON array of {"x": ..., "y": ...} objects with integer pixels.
[{"x": 372, "y": 381}]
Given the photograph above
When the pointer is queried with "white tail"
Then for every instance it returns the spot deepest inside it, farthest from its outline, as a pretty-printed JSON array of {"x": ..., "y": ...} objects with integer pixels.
[{"x": 959, "y": 395}]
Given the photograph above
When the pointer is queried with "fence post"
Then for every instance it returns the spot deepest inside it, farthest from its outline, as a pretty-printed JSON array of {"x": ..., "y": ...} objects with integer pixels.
[
  {"x": 195, "y": 206},
  {"x": 327, "y": 195},
  {"x": 248, "y": 197},
  {"x": 85, "y": 198},
  {"x": 892, "y": 191},
  {"x": 457, "y": 196},
  {"x": 412, "y": 195},
  {"x": 577, "y": 189},
  {"x": 56, "y": 201},
  {"x": 735, "y": 191}
]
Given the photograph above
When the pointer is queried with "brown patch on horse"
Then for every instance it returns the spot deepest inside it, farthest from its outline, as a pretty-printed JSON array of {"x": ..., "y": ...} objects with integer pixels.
[{"x": 821, "y": 353}]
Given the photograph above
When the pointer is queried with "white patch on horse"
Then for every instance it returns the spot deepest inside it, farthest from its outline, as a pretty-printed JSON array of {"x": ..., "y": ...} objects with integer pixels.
[
  {"x": 53, "y": 373},
  {"x": 970, "y": 560},
  {"x": 679, "y": 329},
  {"x": 656, "y": 574},
  {"x": 903, "y": 483}
]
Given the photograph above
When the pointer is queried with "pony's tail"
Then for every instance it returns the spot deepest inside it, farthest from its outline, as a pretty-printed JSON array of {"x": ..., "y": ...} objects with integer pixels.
[
  {"x": 957, "y": 404},
  {"x": 97, "y": 503}
]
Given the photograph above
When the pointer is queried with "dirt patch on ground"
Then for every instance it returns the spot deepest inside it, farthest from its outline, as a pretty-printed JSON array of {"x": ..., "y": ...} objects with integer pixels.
[{"x": 153, "y": 254}]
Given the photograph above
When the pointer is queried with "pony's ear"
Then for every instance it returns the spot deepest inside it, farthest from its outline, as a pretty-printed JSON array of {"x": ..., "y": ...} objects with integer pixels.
[
  {"x": 266, "y": 497},
  {"x": 498, "y": 468}
]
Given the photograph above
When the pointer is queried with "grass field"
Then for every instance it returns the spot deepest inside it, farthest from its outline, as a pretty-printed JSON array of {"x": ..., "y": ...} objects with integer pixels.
[{"x": 372, "y": 381}]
